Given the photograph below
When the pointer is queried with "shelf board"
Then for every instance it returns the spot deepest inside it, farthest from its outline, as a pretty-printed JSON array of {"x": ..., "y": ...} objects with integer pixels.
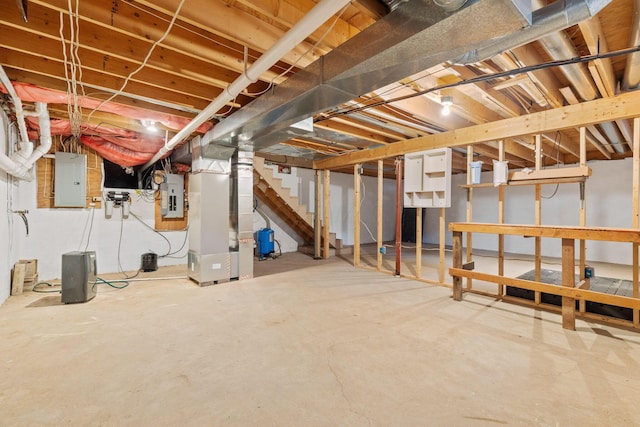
[{"x": 530, "y": 182}]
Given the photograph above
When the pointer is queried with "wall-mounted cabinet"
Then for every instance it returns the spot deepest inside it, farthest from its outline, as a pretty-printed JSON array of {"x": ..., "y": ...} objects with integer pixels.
[{"x": 427, "y": 179}]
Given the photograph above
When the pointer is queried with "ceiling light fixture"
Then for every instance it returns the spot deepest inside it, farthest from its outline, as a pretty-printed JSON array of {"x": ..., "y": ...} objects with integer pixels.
[
  {"x": 150, "y": 125},
  {"x": 446, "y": 102}
]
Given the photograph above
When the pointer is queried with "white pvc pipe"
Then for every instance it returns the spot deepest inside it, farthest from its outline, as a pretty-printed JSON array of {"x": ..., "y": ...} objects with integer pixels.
[
  {"x": 17, "y": 103},
  {"x": 308, "y": 24},
  {"x": 21, "y": 162}
]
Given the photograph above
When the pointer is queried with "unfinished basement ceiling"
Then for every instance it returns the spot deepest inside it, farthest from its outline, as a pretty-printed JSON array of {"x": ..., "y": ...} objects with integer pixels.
[{"x": 372, "y": 75}]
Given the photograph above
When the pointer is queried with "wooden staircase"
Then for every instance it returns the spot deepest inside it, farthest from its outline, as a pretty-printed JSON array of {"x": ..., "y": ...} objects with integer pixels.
[{"x": 269, "y": 190}]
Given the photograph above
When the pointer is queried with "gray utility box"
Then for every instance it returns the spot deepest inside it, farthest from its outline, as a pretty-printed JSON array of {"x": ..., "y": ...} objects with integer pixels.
[
  {"x": 172, "y": 196},
  {"x": 79, "y": 271},
  {"x": 70, "y": 182}
]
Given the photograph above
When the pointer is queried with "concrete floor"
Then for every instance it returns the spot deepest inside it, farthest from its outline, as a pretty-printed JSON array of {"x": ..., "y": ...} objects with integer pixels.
[{"x": 323, "y": 344}]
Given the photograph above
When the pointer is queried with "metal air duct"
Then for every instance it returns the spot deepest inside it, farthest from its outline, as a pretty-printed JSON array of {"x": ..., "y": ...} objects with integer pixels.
[
  {"x": 559, "y": 46},
  {"x": 412, "y": 38}
]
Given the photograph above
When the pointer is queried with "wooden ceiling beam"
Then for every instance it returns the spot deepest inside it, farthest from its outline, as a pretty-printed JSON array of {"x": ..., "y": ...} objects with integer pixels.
[
  {"x": 623, "y": 106},
  {"x": 357, "y": 132},
  {"x": 235, "y": 25}
]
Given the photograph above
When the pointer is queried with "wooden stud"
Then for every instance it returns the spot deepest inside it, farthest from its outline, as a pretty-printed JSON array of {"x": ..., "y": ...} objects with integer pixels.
[
  {"x": 399, "y": 200},
  {"x": 583, "y": 216},
  {"x": 568, "y": 281},
  {"x": 418, "y": 242},
  {"x": 469, "y": 254},
  {"x": 636, "y": 209},
  {"x": 356, "y": 214},
  {"x": 327, "y": 213},
  {"x": 538, "y": 254},
  {"x": 501, "y": 221},
  {"x": 379, "y": 220},
  {"x": 457, "y": 263},
  {"x": 442, "y": 241},
  {"x": 317, "y": 217}
]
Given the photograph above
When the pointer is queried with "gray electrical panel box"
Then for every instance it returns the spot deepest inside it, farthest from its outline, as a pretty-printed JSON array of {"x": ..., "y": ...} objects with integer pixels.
[
  {"x": 172, "y": 196},
  {"x": 70, "y": 182}
]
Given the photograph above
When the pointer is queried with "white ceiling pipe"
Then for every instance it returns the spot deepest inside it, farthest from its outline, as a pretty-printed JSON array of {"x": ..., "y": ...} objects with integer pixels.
[
  {"x": 17, "y": 103},
  {"x": 19, "y": 164},
  {"x": 308, "y": 24},
  {"x": 6, "y": 164}
]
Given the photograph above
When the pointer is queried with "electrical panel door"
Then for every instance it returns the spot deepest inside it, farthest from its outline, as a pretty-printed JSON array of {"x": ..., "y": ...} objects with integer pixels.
[
  {"x": 70, "y": 180},
  {"x": 172, "y": 196}
]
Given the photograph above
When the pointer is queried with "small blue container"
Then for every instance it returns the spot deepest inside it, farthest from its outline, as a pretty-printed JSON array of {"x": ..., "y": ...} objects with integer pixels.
[{"x": 265, "y": 247}]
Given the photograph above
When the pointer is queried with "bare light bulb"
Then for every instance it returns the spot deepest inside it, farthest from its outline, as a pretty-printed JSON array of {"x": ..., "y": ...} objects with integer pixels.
[{"x": 446, "y": 102}]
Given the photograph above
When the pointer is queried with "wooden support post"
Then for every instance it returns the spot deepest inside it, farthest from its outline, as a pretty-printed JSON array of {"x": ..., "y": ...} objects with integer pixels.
[
  {"x": 317, "y": 244},
  {"x": 568, "y": 280},
  {"x": 399, "y": 199},
  {"x": 442, "y": 235},
  {"x": 418, "y": 242},
  {"x": 327, "y": 213},
  {"x": 379, "y": 221},
  {"x": 469, "y": 254},
  {"x": 538, "y": 220},
  {"x": 636, "y": 209},
  {"x": 457, "y": 263},
  {"x": 501, "y": 221},
  {"x": 538, "y": 255},
  {"x": 356, "y": 214},
  {"x": 583, "y": 218}
]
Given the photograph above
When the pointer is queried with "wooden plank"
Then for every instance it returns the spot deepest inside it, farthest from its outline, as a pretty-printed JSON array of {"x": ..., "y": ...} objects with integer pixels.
[
  {"x": 356, "y": 214},
  {"x": 538, "y": 249},
  {"x": 538, "y": 139},
  {"x": 327, "y": 214},
  {"x": 17, "y": 282},
  {"x": 551, "y": 181},
  {"x": 379, "y": 220},
  {"x": 418, "y": 242},
  {"x": 501, "y": 221},
  {"x": 608, "y": 234},
  {"x": 441, "y": 269},
  {"x": 574, "y": 293},
  {"x": 554, "y": 173},
  {"x": 568, "y": 281},
  {"x": 317, "y": 217},
  {"x": 469, "y": 250},
  {"x": 583, "y": 215},
  {"x": 457, "y": 265},
  {"x": 635, "y": 218},
  {"x": 624, "y": 106}
]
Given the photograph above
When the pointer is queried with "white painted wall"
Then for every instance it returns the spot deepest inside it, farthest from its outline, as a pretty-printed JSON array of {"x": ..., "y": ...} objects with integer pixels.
[
  {"x": 302, "y": 184},
  {"x": 608, "y": 201},
  {"x": 57, "y": 231},
  {"x": 10, "y": 224}
]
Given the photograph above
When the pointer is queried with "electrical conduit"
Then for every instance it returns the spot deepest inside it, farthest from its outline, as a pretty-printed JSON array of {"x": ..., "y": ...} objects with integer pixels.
[{"x": 308, "y": 24}]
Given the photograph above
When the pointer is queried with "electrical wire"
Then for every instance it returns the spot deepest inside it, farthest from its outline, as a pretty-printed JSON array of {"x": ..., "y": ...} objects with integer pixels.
[
  {"x": 119, "y": 247},
  {"x": 100, "y": 280},
  {"x": 40, "y": 284},
  {"x": 89, "y": 222},
  {"x": 483, "y": 78},
  {"x": 143, "y": 64}
]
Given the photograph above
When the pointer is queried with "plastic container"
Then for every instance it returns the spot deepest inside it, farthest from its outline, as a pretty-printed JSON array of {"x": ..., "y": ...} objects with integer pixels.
[
  {"x": 476, "y": 172},
  {"x": 265, "y": 241}
]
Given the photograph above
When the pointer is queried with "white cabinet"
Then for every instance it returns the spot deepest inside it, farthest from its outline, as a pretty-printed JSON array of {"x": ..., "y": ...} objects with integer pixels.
[{"x": 427, "y": 179}]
